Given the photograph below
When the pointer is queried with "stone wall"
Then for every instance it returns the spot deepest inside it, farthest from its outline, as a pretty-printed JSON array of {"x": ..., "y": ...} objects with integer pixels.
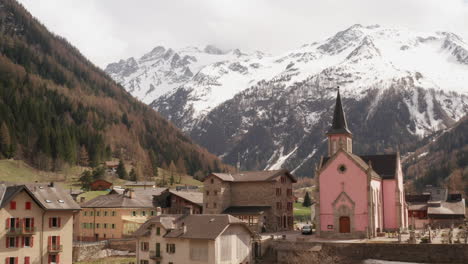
[
  {"x": 128, "y": 244},
  {"x": 285, "y": 251}
]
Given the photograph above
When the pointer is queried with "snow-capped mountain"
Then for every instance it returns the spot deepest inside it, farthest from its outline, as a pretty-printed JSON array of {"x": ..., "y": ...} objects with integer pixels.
[{"x": 272, "y": 110}]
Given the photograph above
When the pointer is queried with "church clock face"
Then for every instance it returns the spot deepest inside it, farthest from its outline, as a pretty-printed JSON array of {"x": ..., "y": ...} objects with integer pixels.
[{"x": 342, "y": 168}]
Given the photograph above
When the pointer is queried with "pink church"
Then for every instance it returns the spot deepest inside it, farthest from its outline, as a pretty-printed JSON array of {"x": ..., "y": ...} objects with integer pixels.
[{"x": 357, "y": 196}]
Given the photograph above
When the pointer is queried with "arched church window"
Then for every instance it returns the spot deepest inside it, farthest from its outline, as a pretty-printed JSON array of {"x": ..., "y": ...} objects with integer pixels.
[{"x": 342, "y": 168}]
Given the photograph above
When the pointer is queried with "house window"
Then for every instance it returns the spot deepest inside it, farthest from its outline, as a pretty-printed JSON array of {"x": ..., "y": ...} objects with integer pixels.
[
  {"x": 27, "y": 241},
  {"x": 342, "y": 168},
  {"x": 206, "y": 205},
  {"x": 289, "y": 192},
  {"x": 98, "y": 213},
  {"x": 113, "y": 213},
  {"x": 278, "y": 191},
  {"x": 144, "y": 246},
  {"x": 158, "y": 231},
  {"x": 170, "y": 248},
  {"x": 207, "y": 193},
  {"x": 12, "y": 242},
  {"x": 85, "y": 213},
  {"x": 283, "y": 179},
  {"x": 91, "y": 213},
  {"x": 13, "y": 205},
  {"x": 212, "y": 181},
  {"x": 11, "y": 260},
  {"x": 152, "y": 212},
  {"x": 27, "y": 205},
  {"x": 113, "y": 226},
  {"x": 143, "y": 213},
  {"x": 215, "y": 192},
  {"x": 54, "y": 222},
  {"x": 278, "y": 205},
  {"x": 290, "y": 206},
  {"x": 214, "y": 205},
  {"x": 144, "y": 261},
  {"x": 105, "y": 226},
  {"x": 105, "y": 213},
  {"x": 134, "y": 213},
  {"x": 28, "y": 224},
  {"x": 97, "y": 225},
  {"x": 54, "y": 259}
]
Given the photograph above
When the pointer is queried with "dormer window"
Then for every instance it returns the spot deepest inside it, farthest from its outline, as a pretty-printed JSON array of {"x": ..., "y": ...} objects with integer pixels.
[
  {"x": 48, "y": 201},
  {"x": 60, "y": 201}
]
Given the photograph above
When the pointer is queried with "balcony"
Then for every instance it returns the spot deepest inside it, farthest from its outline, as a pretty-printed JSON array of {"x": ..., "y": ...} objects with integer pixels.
[
  {"x": 17, "y": 231},
  {"x": 156, "y": 255},
  {"x": 53, "y": 248}
]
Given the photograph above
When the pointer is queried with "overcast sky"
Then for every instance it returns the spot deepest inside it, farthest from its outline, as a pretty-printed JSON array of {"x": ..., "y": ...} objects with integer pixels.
[{"x": 108, "y": 30}]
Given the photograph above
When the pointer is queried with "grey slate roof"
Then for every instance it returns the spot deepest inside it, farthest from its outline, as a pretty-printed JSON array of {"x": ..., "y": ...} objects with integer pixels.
[
  {"x": 254, "y": 176},
  {"x": 193, "y": 197},
  {"x": 339, "y": 124},
  {"x": 49, "y": 197},
  {"x": 115, "y": 199}
]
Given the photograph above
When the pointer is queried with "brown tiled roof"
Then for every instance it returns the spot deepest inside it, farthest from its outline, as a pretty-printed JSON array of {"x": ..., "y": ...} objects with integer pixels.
[
  {"x": 384, "y": 165},
  {"x": 49, "y": 197},
  {"x": 203, "y": 226},
  {"x": 254, "y": 176},
  {"x": 246, "y": 210},
  {"x": 193, "y": 197},
  {"x": 140, "y": 191}
]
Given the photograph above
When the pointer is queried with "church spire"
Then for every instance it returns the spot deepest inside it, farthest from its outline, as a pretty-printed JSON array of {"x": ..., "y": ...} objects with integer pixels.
[{"x": 339, "y": 125}]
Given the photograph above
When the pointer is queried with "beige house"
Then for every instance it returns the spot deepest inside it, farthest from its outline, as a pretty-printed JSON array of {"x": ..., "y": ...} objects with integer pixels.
[
  {"x": 115, "y": 215},
  {"x": 196, "y": 239},
  {"x": 262, "y": 199},
  {"x": 36, "y": 224}
]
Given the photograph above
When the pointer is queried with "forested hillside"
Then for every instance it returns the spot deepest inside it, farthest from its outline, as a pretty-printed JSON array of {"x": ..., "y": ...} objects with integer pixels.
[
  {"x": 58, "y": 109},
  {"x": 442, "y": 162}
]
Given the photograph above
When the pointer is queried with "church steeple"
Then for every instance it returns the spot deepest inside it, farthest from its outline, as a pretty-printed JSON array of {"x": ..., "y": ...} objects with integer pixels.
[{"x": 339, "y": 135}]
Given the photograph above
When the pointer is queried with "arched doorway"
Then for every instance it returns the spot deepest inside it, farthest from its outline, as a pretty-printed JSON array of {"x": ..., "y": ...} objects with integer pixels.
[{"x": 345, "y": 224}]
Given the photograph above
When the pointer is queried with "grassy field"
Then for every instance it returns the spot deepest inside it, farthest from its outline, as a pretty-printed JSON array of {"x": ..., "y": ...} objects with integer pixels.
[{"x": 111, "y": 260}]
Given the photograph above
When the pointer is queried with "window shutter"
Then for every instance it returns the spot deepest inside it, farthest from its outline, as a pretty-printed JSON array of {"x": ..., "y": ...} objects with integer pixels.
[
  {"x": 26, "y": 260},
  {"x": 7, "y": 224},
  {"x": 57, "y": 258},
  {"x": 13, "y": 205},
  {"x": 49, "y": 242},
  {"x": 7, "y": 260},
  {"x": 59, "y": 222},
  {"x": 17, "y": 241},
  {"x": 50, "y": 258},
  {"x": 7, "y": 242},
  {"x": 58, "y": 241},
  {"x": 22, "y": 241},
  {"x": 32, "y": 222},
  {"x": 16, "y": 260},
  {"x": 167, "y": 248},
  {"x": 31, "y": 241}
]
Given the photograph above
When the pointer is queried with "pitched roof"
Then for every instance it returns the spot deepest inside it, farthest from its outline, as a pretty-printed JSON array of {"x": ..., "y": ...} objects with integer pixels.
[
  {"x": 384, "y": 165},
  {"x": 254, "y": 176},
  {"x": 140, "y": 191},
  {"x": 339, "y": 124},
  {"x": 47, "y": 196},
  {"x": 166, "y": 220},
  {"x": 140, "y": 199},
  {"x": 194, "y": 197},
  {"x": 246, "y": 210},
  {"x": 448, "y": 208},
  {"x": 203, "y": 226}
]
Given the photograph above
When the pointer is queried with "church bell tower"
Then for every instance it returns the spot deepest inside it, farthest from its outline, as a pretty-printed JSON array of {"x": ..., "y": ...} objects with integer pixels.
[{"x": 339, "y": 135}]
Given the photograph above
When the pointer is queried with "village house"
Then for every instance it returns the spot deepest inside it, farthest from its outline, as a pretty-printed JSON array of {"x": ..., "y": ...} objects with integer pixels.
[
  {"x": 115, "y": 215},
  {"x": 180, "y": 202},
  {"x": 262, "y": 199},
  {"x": 196, "y": 239},
  {"x": 36, "y": 224},
  {"x": 100, "y": 185},
  {"x": 357, "y": 196},
  {"x": 436, "y": 207}
]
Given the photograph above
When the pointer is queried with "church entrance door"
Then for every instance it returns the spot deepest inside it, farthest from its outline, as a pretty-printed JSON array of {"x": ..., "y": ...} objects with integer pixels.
[{"x": 345, "y": 224}]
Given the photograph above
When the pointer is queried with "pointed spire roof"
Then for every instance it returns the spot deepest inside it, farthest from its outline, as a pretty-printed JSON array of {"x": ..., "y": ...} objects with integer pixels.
[{"x": 339, "y": 125}]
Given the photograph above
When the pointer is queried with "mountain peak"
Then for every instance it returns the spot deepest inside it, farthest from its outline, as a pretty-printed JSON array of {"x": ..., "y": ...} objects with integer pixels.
[{"x": 211, "y": 49}]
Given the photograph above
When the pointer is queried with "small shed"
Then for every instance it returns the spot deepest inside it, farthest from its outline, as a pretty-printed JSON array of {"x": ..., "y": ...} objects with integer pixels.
[{"x": 100, "y": 185}]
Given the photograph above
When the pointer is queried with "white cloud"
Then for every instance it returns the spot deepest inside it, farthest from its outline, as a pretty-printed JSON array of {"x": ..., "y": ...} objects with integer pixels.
[{"x": 108, "y": 30}]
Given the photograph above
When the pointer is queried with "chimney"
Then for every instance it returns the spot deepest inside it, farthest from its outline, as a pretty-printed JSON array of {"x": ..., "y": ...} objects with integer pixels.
[
  {"x": 82, "y": 199},
  {"x": 131, "y": 193}
]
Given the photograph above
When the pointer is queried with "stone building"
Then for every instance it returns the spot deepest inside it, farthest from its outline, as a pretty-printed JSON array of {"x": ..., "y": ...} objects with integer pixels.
[
  {"x": 262, "y": 199},
  {"x": 36, "y": 224},
  {"x": 436, "y": 207},
  {"x": 115, "y": 215},
  {"x": 357, "y": 195},
  {"x": 196, "y": 239}
]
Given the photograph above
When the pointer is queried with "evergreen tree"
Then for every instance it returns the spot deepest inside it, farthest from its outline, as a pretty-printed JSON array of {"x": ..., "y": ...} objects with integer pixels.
[
  {"x": 99, "y": 173},
  {"x": 307, "y": 201},
  {"x": 121, "y": 172},
  {"x": 85, "y": 179},
  {"x": 5, "y": 141},
  {"x": 181, "y": 168},
  {"x": 172, "y": 170},
  {"x": 133, "y": 175}
]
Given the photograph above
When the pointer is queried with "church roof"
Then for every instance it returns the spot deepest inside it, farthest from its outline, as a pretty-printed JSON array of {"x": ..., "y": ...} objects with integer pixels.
[
  {"x": 339, "y": 124},
  {"x": 384, "y": 165}
]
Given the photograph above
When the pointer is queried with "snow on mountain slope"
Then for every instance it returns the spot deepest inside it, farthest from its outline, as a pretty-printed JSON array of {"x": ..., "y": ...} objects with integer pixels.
[{"x": 227, "y": 100}]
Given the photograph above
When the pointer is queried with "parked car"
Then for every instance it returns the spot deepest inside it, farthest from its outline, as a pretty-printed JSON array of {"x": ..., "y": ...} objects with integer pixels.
[{"x": 306, "y": 230}]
